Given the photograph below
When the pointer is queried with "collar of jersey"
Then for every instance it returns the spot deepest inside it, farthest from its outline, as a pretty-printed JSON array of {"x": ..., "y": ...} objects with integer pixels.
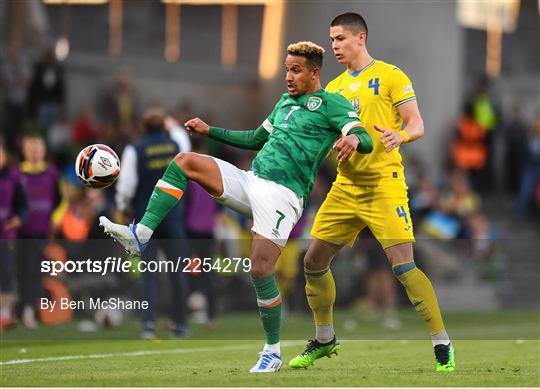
[
  {"x": 307, "y": 95},
  {"x": 26, "y": 167},
  {"x": 357, "y": 72}
]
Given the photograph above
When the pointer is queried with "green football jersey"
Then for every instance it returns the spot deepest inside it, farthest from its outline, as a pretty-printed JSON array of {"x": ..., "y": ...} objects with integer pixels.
[{"x": 302, "y": 132}]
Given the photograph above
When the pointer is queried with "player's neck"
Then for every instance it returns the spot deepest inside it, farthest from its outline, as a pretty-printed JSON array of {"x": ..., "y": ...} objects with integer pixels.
[
  {"x": 360, "y": 62},
  {"x": 314, "y": 88}
]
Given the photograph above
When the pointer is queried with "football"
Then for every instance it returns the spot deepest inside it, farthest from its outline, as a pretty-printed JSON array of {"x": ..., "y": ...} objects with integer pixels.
[{"x": 97, "y": 166}]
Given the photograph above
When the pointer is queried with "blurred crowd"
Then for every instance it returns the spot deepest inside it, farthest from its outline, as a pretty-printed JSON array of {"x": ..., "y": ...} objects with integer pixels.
[{"x": 47, "y": 214}]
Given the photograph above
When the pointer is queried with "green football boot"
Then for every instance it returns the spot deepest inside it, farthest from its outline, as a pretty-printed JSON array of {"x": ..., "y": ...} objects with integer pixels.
[
  {"x": 314, "y": 350},
  {"x": 444, "y": 357}
]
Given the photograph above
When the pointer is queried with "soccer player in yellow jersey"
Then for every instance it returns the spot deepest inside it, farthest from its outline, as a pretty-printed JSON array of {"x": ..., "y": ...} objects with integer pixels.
[{"x": 369, "y": 191}]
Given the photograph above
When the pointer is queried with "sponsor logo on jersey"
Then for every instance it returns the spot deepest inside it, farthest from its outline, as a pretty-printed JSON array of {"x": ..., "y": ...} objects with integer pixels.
[
  {"x": 314, "y": 103},
  {"x": 408, "y": 89},
  {"x": 352, "y": 114},
  {"x": 355, "y": 86},
  {"x": 275, "y": 233}
]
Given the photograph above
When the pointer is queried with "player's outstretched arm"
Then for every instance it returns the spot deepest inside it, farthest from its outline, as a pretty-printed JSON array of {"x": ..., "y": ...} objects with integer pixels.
[{"x": 249, "y": 139}]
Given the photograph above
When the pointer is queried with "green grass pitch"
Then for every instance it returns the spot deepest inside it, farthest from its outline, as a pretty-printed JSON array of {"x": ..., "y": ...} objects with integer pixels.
[{"x": 497, "y": 349}]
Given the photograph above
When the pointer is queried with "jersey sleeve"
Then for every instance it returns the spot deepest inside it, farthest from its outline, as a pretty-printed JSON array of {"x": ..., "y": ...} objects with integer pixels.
[
  {"x": 401, "y": 89},
  {"x": 341, "y": 114}
]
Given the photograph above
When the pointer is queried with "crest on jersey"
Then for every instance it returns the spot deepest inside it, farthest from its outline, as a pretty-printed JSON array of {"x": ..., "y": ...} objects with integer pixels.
[{"x": 314, "y": 103}]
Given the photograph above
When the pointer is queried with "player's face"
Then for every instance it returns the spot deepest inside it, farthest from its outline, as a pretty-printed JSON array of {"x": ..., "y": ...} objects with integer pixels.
[
  {"x": 300, "y": 77},
  {"x": 33, "y": 149},
  {"x": 345, "y": 44}
]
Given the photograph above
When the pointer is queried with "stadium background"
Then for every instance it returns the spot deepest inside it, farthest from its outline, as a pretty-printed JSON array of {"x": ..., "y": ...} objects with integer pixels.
[{"x": 224, "y": 64}]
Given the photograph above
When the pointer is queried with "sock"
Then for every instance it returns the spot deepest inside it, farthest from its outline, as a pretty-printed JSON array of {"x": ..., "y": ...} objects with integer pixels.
[
  {"x": 167, "y": 192},
  {"x": 143, "y": 233},
  {"x": 421, "y": 294},
  {"x": 269, "y": 302},
  {"x": 275, "y": 348},
  {"x": 440, "y": 338},
  {"x": 325, "y": 334},
  {"x": 321, "y": 295}
]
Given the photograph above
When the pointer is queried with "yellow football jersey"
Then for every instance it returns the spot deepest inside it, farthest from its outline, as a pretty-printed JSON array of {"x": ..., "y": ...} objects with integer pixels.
[{"x": 375, "y": 92}]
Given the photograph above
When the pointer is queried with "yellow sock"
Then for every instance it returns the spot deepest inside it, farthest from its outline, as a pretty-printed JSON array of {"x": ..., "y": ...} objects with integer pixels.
[
  {"x": 321, "y": 295},
  {"x": 421, "y": 294}
]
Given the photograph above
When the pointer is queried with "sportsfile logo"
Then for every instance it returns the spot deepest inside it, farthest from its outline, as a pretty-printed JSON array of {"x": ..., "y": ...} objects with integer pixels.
[{"x": 118, "y": 265}]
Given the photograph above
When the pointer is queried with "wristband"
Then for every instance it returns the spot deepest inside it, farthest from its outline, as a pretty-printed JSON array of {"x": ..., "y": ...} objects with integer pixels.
[{"x": 405, "y": 135}]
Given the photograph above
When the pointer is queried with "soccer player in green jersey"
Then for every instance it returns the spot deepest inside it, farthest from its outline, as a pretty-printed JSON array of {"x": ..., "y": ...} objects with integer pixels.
[{"x": 293, "y": 141}]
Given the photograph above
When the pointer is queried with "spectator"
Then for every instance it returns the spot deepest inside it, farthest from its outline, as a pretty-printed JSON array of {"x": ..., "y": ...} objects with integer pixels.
[
  {"x": 460, "y": 201},
  {"x": 531, "y": 173},
  {"x": 12, "y": 214},
  {"x": 485, "y": 113},
  {"x": 469, "y": 151},
  {"x": 143, "y": 164},
  {"x": 120, "y": 107},
  {"x": 86, "y": 129},
  {"x": 15, "y": 79},
  {"x": 516, "y": 150},
  {"x": 41, "y": 184},
  {"x": 47, "y": 90}
]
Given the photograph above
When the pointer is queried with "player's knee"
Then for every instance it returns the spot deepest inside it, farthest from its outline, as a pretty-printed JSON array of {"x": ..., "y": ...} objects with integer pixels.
[
  {"x": 401, "y": 253},
  {"x": 314, "y": 262},
  {"x": 261, "y": 267},
  {"x": 185, "y": 161}
]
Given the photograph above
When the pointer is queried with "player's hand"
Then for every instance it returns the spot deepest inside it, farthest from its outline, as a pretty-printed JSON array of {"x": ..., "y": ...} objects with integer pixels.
[
  {"x": 13, "y": 223},
  {"x": 197, "y": 126},
  {"x": 169, "y": 122},
  {"x": 345, "y": 146},
  {"x": 389, "y": 139}
]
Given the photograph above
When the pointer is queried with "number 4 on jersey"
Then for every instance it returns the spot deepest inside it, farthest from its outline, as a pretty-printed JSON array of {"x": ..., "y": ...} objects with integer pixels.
[{"x": 374, "y": 83}]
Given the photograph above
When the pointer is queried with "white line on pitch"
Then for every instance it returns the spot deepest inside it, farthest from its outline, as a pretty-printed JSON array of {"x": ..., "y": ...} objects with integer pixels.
[{"x": 142, "y": 353}]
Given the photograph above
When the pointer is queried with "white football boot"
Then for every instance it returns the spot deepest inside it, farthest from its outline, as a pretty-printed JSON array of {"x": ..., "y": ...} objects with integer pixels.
[
  {"x": 268, "y": 362},
  {"x": 125, "y": 235}
]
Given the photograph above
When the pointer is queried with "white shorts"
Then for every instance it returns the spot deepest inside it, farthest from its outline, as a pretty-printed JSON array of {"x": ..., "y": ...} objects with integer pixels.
[{"x": 274, "y": 208}]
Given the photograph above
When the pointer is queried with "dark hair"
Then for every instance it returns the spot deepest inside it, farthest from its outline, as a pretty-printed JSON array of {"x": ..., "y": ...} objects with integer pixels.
[
  {"x": 352, "y": 21},
  {"x": 153, "y": 118},
  {"x": 33, "y": 134},
  {"x": 312, "y": 52}
]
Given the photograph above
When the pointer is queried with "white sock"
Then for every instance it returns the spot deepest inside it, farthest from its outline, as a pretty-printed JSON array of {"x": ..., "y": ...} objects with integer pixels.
[
  {"x": 275, "y": 348},
  {"x": 324, "y": 334},
  {"x": 143, "y": 233},
  {"x": 440, "y": 338}
]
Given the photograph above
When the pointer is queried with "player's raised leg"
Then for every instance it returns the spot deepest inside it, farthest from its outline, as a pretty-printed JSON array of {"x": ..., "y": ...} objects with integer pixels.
[
  {"x": 264, "y": 255},
  {"x": 167, "y": 192},
  {"x": 422, "y": 295},
  {"x": 321, "y": 295}
]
